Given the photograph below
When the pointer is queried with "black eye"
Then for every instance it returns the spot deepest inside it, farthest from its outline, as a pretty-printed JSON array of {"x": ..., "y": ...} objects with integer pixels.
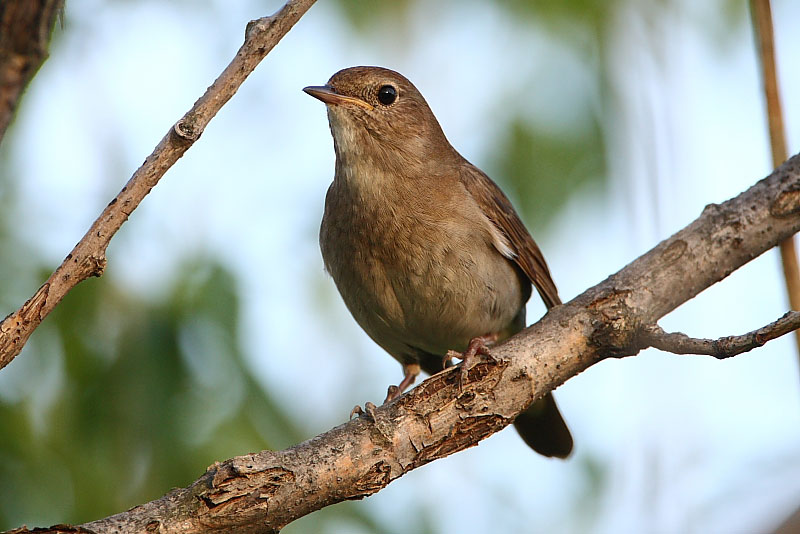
[{"x": 387, "y": 94}]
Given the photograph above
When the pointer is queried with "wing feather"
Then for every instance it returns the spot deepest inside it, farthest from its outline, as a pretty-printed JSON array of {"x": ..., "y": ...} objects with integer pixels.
[{"x": 501, "y": 213}]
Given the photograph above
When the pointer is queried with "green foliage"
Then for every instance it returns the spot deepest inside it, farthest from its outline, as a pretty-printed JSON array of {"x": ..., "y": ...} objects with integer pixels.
[
  {"x": 146, "y": 395},
  {"x": 555, "y": 13},
  {"x": 364, "y": 14},
  {"x": 541, "y": 170}
]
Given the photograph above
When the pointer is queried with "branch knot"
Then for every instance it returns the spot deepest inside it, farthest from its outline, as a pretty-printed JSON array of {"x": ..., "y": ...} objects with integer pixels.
[
  {"x": 786, "y": 204},
  {"x": 614, "y": 331},
  {"x": 187, "y": 129}
]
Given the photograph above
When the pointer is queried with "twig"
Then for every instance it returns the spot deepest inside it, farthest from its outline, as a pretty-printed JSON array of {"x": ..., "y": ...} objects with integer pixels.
[
  {"x": 88, "y": 257},
  {"x": 264, "y": 492},
  {"x": 762, "y": 26},
  {"x": 725, "y": 347}
]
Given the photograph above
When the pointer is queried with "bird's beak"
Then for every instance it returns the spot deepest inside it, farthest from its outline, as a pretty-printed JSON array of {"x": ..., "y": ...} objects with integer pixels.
[{"x": 329, "y": 96}]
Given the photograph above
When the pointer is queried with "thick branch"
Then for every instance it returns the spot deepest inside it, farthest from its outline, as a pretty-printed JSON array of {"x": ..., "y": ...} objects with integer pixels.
[
  {"x": 24, "y": 38},
  {"x": 265, "y": 491},
  {"x": 725, "y": 347},
  {"x": 88, "y": 258}
]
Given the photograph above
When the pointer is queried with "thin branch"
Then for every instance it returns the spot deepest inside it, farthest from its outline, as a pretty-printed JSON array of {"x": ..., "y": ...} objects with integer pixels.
[
  {"x": 264, "y": 492},
  {"x": 725, "y": 347},
  {"x": 88, "y": 258},
  {"x": 761, "y": 13},
  {"x": 25, "y": 29}
]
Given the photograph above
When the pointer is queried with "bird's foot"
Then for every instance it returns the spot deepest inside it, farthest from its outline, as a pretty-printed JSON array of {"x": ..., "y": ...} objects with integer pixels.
[
  {"x": 392, "y": 392},
  {"x": 368, "y": 411},
  {"x": 410, "y": 372},
  {"x": 478, "y": 346}
]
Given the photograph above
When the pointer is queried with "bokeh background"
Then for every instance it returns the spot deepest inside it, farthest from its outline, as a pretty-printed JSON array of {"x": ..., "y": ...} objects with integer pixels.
[{"x": 215, "y": 331}]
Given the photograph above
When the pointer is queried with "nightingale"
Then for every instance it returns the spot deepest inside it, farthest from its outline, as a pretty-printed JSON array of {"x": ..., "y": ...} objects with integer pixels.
[{"x": 426, "y": 251}]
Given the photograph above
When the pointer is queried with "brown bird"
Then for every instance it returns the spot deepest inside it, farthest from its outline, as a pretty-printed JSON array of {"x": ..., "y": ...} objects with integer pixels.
[{"x": 425, "y": 249}]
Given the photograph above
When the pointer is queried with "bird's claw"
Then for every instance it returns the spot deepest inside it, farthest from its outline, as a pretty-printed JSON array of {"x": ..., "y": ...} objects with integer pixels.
[
  {"x": 368, "y": 411},
  {"x": 392, "y": 393},
  {"x": 477, "y": 347}
]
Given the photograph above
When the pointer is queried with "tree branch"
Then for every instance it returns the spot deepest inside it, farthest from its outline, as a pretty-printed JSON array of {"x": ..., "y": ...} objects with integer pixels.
[
  {"x": 88, "y": 258},
  {"x": 25, "y": 27},
  {"x": 725, "y": 347},
  {"x": 265, "y": 491}
]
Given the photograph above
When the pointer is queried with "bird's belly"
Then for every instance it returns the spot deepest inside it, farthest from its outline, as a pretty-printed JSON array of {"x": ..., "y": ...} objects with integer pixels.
[
  {"x": 422, "y": 293},
  {"x": 456, "y": 297}
]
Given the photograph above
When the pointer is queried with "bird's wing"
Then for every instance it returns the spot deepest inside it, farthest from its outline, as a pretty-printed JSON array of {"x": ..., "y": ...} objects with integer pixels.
[{"x": 524, "y": 251}]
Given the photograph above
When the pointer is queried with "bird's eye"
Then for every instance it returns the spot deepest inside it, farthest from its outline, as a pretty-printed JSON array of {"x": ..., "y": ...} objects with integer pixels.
[{"x": 387, "y": 95}]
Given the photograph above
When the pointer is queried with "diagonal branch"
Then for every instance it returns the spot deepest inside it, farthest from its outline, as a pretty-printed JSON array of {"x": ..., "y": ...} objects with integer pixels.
[
  {"x": 725, "y": 347},
  {"x": 88, "y": 258},
  {"x": 264, "y": 492}
]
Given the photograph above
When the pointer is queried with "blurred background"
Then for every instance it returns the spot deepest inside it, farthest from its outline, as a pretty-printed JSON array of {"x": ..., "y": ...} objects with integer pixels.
[{"x": 215, "y": 331}]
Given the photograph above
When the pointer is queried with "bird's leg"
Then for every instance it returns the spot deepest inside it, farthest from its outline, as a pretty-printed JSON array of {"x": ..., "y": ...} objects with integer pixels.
[
  {"x": 477, "y": 346},
  {"x": 410, "y": 372}
]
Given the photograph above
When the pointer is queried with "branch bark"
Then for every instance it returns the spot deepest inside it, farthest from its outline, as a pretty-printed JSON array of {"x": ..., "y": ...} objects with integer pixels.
[
  {"x": 88, "y": 258},
  {"x": 25, "y": 28},
  {"x": 265, "y": 491}
]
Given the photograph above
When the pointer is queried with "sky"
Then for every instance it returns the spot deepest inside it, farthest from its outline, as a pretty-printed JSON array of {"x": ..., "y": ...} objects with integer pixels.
[{"x": 677, "y": 443}]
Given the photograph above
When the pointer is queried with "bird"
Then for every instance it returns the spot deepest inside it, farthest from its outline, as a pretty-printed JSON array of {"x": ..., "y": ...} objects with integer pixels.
[{"x": 425, "y": 249}]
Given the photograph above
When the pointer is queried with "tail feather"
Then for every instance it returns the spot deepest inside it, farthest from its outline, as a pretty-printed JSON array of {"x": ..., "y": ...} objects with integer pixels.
[{"x": 543, "y": 429}]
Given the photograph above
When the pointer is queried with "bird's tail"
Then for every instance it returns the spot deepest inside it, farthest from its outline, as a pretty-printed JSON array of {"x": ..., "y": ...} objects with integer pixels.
[{"x": 543, "y": 429}]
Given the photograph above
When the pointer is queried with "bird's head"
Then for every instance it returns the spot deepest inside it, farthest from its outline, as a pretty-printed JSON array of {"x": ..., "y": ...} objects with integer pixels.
[{"x": 377, "y": 113}]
